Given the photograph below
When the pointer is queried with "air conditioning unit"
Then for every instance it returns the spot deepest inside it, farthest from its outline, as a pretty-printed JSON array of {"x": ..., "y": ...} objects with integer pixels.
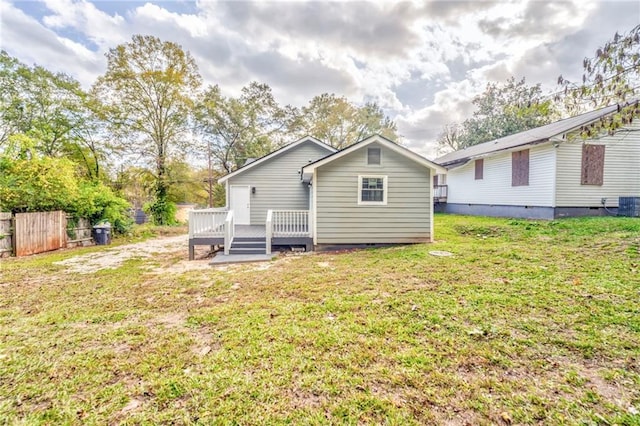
[{"x": 629, "y": 206}]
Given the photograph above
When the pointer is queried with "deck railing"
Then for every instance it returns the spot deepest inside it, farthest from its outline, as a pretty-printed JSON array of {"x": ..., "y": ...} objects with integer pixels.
[
  {"x": 290, "y": 223},
  {"x": 207, "y": 222},
  {"x": 229, "y": 231},
  {"x": 268, "y": 230},
  {"x": 440, "y": 192},
  {"x": 287, "y": 224}
]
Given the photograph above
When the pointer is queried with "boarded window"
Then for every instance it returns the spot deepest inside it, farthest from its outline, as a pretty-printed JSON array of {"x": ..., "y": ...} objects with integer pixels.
[
  {"x": 520, "y": 168},
  {"x": 373, "y": 156},
  {"x": 592, "y": 164},
  {"x": 479, "y": 169}
]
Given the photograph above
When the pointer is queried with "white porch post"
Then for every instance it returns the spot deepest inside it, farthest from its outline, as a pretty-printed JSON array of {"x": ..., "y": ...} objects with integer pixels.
[{"x": 269, "y": 231}]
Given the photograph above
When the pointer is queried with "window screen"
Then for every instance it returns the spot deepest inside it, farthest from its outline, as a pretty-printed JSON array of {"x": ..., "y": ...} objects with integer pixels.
[{"x": 372, "y": 189}]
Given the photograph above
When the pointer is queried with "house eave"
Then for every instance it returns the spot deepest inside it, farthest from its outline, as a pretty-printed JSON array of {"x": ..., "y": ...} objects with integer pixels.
[
  {"x": 275, "y": 154},
  {"x": 307, "y": 170},
  {"x": 462, "y": 161},
  {"x": 551, "y": 131}
]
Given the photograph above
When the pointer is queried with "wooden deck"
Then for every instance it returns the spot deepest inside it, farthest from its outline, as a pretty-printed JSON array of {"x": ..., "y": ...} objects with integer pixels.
[
  {"x": 215, "y": 227},
  {"x": 250, "y": 231}
]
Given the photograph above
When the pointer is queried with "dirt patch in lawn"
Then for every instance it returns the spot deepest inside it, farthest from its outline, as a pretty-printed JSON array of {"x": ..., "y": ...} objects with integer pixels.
[
  {"x": 158, "y": 248},
  {"x": 169, "y": 253}
]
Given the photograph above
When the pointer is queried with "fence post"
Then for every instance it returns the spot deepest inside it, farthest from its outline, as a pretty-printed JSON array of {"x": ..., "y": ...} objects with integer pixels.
[
  {"x": 6, "y": 234},
  {"x": 14, "y": 237},
  {"x": 63, "y": 228}
]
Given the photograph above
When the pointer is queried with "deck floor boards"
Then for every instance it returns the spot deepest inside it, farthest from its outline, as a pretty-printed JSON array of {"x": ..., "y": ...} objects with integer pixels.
[
  {"x": 250, "y": 231},
  {"x": 244, "y": 231}
]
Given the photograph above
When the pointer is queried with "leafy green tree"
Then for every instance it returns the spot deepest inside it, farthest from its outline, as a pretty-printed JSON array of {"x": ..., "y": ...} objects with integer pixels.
[
  {"x": 501, "y": 110},
  {"x": 31, "y": 182},
  {"x": 11, "y": 104},
  {"x": 611, "y": 76},
  {"x": 99, "y": 203},
  {"x": 37, "y": 184},
  {"x": 53, "y": 111},
  {"x": 249, "y": 126},
  {"x": 136, "y": 184},
  {"x": 340, "y": 123},
  {"x": 148, "y": 90},
  {"x": 188, "y": 185}
]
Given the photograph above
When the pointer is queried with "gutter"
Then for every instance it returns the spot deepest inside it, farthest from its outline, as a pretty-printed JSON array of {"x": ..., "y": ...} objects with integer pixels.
[{"x": 462, "y": 161}]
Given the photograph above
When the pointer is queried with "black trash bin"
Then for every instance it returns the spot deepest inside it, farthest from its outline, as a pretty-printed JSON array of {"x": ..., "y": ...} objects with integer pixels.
[{"x": 102, "y": 234}]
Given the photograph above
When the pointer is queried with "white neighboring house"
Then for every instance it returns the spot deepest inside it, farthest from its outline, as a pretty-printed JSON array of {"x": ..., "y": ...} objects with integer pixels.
[{"x": 547, "y": 172}]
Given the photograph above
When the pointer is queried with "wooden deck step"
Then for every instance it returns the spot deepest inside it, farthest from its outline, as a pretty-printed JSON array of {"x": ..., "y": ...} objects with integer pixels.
[
  {"x": 249, "y": 239},
  {"x": 248, "y": 245}
]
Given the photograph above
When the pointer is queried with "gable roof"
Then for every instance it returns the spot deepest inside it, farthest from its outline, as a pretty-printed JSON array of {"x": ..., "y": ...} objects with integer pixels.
[
  {"x": 528, "y": 137},
  {"x": 276, "y": 153},
  {"x": 307, "y": 170}
]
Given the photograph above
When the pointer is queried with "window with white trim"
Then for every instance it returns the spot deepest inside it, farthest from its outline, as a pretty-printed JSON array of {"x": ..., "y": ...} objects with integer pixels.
[{"x": 372, "y": 190}]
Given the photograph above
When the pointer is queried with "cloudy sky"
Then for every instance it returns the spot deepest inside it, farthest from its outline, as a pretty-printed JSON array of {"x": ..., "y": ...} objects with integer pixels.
[{"x": 421, "y": 61}]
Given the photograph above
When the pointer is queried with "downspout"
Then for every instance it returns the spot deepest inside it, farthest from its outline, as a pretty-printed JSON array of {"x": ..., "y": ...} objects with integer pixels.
[
  {"x": 314, "y": 189},
  {"x": 554, "y": 193},
  {"x": 226, "y": 194},
  {"x": 431, "y": 172}
]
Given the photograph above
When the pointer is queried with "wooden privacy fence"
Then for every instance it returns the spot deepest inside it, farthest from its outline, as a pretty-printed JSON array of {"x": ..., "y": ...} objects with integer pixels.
[
  {"x": 79, "y": 232},
  {"x": 31, "y": 233},
  {"x": 6, "y": 241},
  {"x": 39, "y": 232}
]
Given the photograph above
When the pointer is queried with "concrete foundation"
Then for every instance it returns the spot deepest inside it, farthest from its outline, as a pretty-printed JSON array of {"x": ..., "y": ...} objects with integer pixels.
[
  {"x": 527, "y": 212},
  {"x": 522, "y": 212}
]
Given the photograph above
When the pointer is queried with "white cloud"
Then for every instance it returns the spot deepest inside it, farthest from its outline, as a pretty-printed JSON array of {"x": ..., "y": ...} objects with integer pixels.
[
  {"x": 421, "y": 127},
  {"x": 32, "y": 43},
  {"x": 101, "y": 28},
  {"x": 193, "y": 24},
  {"x": 422, "y": 61}
]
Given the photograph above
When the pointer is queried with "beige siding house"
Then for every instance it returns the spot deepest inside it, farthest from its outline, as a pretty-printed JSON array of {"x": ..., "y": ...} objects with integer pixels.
[
  {"x": 307, "y": 193},
  {"x": 272, "y": 182},
  {"x": 547, "y": 172},
  {"x": 372, "y": 192}
]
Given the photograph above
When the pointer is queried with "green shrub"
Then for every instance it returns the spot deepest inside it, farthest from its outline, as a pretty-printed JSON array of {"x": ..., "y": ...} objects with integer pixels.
[
  {"x": 46, "y": 184},
  {"x": 162, "y": 212},
  {"x": 37, "y": 184},
  {"x": 98, "y": 203}
]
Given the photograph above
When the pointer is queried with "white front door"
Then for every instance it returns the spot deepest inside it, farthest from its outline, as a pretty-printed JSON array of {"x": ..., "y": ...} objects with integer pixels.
[{"x": 239, "y": 203}]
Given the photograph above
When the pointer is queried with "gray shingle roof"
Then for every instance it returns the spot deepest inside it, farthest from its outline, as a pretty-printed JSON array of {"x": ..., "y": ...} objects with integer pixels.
[{"x": 537, "y": 135}]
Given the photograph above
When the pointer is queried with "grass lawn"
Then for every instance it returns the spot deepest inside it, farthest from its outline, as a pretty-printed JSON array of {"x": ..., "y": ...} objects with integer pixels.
[{"x": 528, "y": 322}]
